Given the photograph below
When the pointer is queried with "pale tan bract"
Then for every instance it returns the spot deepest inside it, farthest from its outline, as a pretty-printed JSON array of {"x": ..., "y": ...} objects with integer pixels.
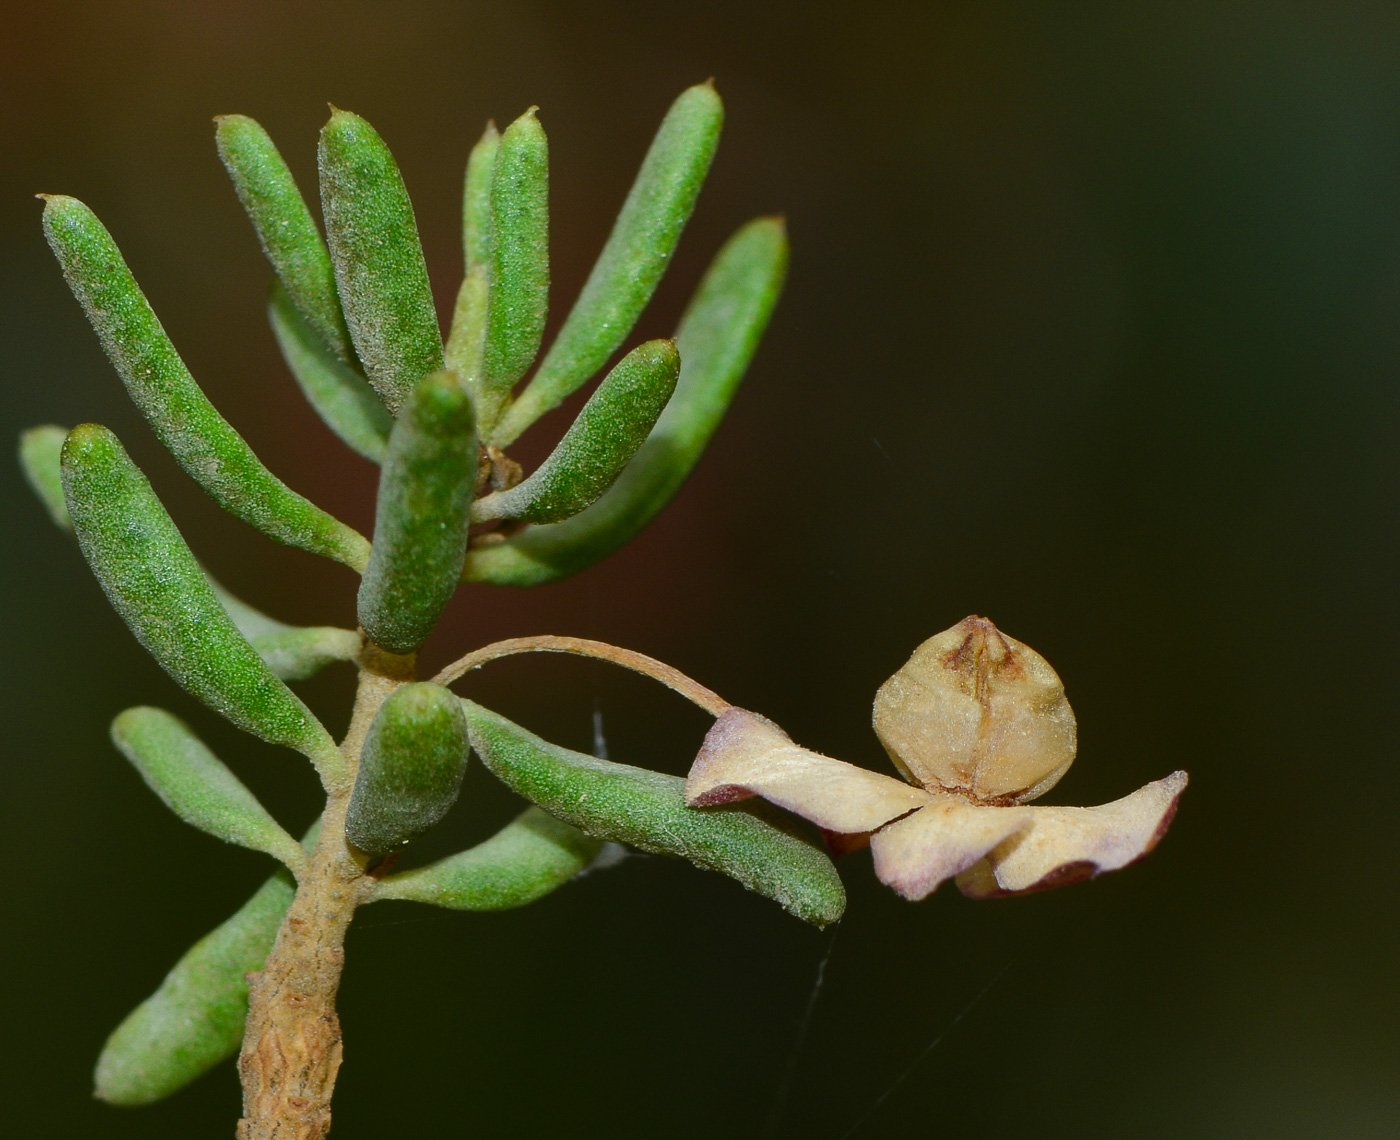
[{"x": 978, "y": 724}]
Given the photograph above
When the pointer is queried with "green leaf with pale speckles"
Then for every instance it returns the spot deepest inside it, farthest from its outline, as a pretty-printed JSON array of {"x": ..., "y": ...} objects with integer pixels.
[
  {"x": 155, "y": 584},
  {"x": 202, "y": 441}
]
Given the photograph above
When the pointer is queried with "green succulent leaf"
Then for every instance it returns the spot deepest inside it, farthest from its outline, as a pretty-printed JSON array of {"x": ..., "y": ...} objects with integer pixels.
[
  {"x": 632, "y": 262},
  {"x": 476, "y": 201},
  {"x": 379, "y": 266},
  {"x": 519, "y": 261},
  {"x": 39, "y": 451},
  {"x": 202, "y": 441},
  {"x": 195, "y": 1018},
  {"x": 299, "y": 654},
  {"x": 411, "y": 769},
  {"x": 612, "y": 425},
  {"x": 647, "y": 810},
  {"x": 286, "y": 230},
  {"x": 466, "y": 344},
  {"x": 531, "y": 856},
  {"x": 340, "y": 395},
  {"x": 155, "y": 584},
  {"x": 196, "y": 785},
  {"x": 717, "y": 338},
  {"x": 420, "y": 526}
]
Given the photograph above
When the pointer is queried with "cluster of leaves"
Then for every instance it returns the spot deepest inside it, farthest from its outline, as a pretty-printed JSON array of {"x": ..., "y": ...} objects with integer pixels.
[{"x": 354, "y": 316}]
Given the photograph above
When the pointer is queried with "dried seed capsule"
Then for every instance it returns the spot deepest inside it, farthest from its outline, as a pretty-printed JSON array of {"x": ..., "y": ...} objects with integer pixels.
[
  {"x": 202, "y": 441},
  {"x": 636, "y": 255},
  {"x": 379, "y": 267},
  {"x": 341, "y": 396},
  {"x": 978, "y": 712},
  {"x": 598, "y": 445},
  {"x": 196, "y": 785},
  {"x": 529, "y": 857},
  {"x": 716, "y": 340},
  {"x": 410, "y": 770},
  {"x": 285, "y": 229},
  {"x": 155, "y": 584},
  {"x": 647, "y": 809},
  {"x": 420, "y": 525}
]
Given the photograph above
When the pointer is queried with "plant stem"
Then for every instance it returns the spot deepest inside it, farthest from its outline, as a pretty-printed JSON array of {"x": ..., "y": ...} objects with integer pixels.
[
  {"x": 673, "y": 679},
  {"x": 291, "y": 1045}
]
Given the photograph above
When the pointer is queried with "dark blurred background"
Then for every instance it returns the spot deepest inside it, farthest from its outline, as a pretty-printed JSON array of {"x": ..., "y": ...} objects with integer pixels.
[{"x": 1091, "y": 328}]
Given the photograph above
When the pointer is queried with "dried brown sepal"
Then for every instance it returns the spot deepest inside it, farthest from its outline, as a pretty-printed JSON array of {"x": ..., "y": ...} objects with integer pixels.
[
  {"x": 977, "y": 712},
  {"x": 1066, "y": 845},
  {"x": 747, "y": 755}
]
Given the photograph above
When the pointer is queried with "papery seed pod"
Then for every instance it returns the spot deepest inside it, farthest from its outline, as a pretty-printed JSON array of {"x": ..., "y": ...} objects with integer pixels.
[
  {"x": 196, "y": 785},
  {"x": 410, "y": 770},
  {"x": 645, "y": 809},
  {"x": 598, "y": 445},
  {"x": 202, "y": 441},
  {"x": 978, "y": 712},
  {"x": 380, "y": 271},
  {"x": 285, "y": 229},
  {"x": 420, "y": 524},
  {"x": 519, "y": 261},
  {"x": 632, "y": 262},
  {"x": 716, "y": 340},
  {"x": 341, "y": 396},
  {"x": 531, "y": 856},
  {"x": 155, "y": 584}
]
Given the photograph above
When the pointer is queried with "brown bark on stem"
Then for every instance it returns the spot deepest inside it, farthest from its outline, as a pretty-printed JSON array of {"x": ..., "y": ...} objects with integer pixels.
[{"x": 291, "y": 1043}]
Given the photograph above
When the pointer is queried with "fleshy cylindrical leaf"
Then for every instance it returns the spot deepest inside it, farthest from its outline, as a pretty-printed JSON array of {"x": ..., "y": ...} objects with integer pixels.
[
  {"x": 476, "y": 201},
  {"x": 379, "y": 266},
  {"x": 410, "y": 770},
  {"x": 195, "y": 1019},
  {"x": 632, "y": 262},
  {"x": 341, "y": 396},
  {"x": 519, "y": 273},
  {"x": 531, "y": 856},
  {"x": 155, "y": 584},
  {"x": 466, "y": 343},
  {"x": 613, "y": 424},
  {"x": 420, "y": 528},
  {"x": 717, "y": 338},
  {"x": 39, "y": 452},
  {"x": 300, "y": 653},
  {"x": 645, "y": 809},
  {"x": 202, "y": 441},
  {"x": 285, "y": 229},
  {"x": 196, "y": 785}
]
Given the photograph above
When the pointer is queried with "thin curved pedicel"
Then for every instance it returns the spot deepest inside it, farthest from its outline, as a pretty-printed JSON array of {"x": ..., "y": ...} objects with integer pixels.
[
  {"x": 632, "y": 262},
  {"x": 518, "y": 272},
  {"x": 410, "y": 769},
  {"x": 202, "y": 441},
  {"x": 285, "y": 229},
  {"x": 195, "y": 1018},
  {"x": 39, "y": 451},
  {"x": 608, "y": 431},
  {"x": 196, "y": 785},
  {"x": 380, "y": 272},
  {"x": 420, "y": 526},
  {"x": 341, "y": 396},
  {"x": 155, "y": 584},
  {"x": 717, "y": 338},
  {"x": 647, "y": 810},
  {"x": 531, "y": 856}
]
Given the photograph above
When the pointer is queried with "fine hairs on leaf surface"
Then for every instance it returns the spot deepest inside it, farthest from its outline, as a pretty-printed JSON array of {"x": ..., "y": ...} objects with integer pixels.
[{"x": 354, "y": 317}]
